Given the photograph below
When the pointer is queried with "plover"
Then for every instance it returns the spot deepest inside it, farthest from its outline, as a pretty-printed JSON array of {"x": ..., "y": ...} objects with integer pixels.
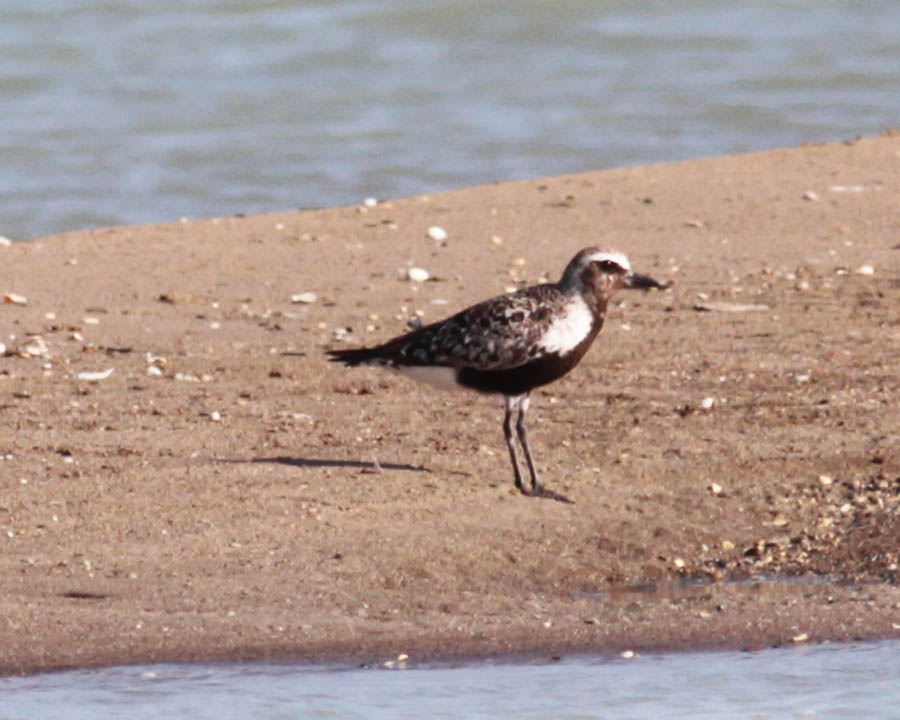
[{"x": 513, "y": 343}]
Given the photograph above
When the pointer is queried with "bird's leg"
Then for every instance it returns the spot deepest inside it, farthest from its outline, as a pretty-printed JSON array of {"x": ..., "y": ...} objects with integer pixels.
[
  {"x": 511, "y": 402},
  {"x": 523, "y": 439},
  {"x": 537, "y": 489}
]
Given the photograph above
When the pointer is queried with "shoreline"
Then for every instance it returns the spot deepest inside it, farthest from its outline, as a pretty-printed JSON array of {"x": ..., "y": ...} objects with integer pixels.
[{"x": 223, "y": 493}]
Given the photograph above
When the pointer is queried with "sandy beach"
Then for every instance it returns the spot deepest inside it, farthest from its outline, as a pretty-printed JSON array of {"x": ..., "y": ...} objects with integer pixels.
[{"x": 185, "y": 477}]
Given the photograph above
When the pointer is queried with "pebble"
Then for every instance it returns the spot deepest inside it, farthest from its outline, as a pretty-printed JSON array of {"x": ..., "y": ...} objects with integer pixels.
[
  {"x": 15, "y": 299},
  {"x": 810, "y": 195},
  {"x": 5, "y": 241},
  {"x": 825, "y": 480},
  {"x": 304, "y": 297},
  {"x": 436, "y": 232},
  {"x": 715, "y": 488},
  {"x": 94, "y": 376},
  {"x": 36, "y": 348},
  {"x": 802, "y": 637},
  {"x": 707, "y": 403},
  {"x": 627, "y": 654},
  {"x": 417, "y": 274},
  {"x": 154, "y": 370},
  {"x": 865, "y": 270},
  {"x": 370, "y": 202},
  {"x": 215, "y": 416}
]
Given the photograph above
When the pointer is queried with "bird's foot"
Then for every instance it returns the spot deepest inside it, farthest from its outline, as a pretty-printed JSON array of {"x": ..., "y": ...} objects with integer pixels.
[{"x": 543, "y": 492}]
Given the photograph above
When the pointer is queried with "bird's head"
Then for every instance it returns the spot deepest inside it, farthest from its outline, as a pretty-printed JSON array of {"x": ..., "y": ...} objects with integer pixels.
[{"x": 602, "y": 273}]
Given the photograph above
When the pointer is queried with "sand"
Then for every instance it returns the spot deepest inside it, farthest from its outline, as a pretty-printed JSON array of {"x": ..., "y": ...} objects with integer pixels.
[{"x": 730, "y": 443}]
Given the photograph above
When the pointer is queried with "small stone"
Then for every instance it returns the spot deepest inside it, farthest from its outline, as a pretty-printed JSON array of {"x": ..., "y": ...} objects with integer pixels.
[
  {"x": 91, "y": 321},
  {"x": 15, "y": 299},
  {"x": 94, "y": 376},
  {"x": 436, "y": 232},
  {"x": 496, "y": 239},
  {"x": 5, "y": 241},
  {"x": 707, "y": 403},
  {"x": 215, "y": 416},
  {"x": 715, "y": 488},
  {"x": 679, "y": 563},
  {"x": 810, "y": 195},
  {"x": 417, "y": 274},
  {"x": 865, "y": 270},
  {"x": 304, "y": 297},
  {"x": 802, "y": 637},
  {"x": 627, "y": 654},
  {"x": 154, "y": 370},
  {"x": 825, "y": 480},
  {"x": 370, "y": 202},
  {"x": 727, "y": 545}
]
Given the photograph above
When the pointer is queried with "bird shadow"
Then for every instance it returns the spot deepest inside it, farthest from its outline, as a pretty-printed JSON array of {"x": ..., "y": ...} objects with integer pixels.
[
  {"x": 367, "y": 467},
  {"x": 363, "y": 465}
]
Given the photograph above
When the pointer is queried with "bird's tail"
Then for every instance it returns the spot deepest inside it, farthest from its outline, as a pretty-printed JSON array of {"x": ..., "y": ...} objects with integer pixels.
[{"x": 356, "y": 356}]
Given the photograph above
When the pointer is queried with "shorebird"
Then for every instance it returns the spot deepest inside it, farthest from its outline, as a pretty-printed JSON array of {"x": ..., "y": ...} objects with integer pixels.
[{"x": 511, "y": 344}]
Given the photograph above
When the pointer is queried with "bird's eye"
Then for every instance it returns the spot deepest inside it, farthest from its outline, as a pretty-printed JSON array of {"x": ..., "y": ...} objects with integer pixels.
[{"x": 609, "y": 266}]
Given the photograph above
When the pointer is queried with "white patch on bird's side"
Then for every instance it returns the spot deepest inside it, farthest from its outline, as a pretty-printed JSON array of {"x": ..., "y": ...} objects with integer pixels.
[
  {"x": 439, "y": 376},
  {"x": 619, "y": 258},
  {"x": 569, "y": 328}
]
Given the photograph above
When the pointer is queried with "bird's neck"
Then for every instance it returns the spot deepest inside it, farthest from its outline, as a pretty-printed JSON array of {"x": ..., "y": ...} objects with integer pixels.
[{"x": 596, "y": 303}]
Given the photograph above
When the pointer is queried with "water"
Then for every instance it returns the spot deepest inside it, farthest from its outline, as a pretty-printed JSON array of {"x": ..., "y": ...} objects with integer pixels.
[
  {"x": 125, "y": 111},
  {"x": 824, "y": 681}
]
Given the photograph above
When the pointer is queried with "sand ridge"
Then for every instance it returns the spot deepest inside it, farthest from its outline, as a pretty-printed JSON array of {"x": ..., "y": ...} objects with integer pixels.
[{"x": 226, "y": 493}]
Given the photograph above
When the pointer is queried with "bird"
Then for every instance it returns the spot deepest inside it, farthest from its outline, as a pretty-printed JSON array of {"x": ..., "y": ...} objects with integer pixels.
[{"x": 511, "y": 344}]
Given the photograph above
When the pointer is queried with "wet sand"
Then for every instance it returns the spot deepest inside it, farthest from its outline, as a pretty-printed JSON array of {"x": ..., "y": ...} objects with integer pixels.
[{"x": 225, "y": 493}]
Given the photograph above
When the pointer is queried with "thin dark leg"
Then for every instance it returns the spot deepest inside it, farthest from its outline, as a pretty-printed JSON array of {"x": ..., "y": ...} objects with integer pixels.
[
  {"x": 537, "y": 489},
  {"x": 523, "y": 439},
  {"x": 510, "y": 443}
]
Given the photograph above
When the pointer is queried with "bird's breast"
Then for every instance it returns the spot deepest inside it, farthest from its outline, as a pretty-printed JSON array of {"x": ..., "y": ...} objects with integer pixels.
[{"x": 569, "y": 328}]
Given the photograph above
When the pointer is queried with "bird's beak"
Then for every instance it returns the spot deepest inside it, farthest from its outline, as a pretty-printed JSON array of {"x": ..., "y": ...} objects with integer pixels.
[{"x": 644, "y": 282}]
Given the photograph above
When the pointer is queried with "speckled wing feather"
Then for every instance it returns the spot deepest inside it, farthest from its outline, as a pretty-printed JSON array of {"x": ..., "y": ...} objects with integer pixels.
[{"x": 499, "y": 333}]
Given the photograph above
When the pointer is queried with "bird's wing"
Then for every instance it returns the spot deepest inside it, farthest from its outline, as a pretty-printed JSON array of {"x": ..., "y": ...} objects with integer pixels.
[{"x": 502, "y": 332}]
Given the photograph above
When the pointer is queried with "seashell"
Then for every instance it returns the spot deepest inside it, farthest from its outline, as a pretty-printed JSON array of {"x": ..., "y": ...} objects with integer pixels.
[
  {"x": 304, "y": 297},
  {"x": 436, "y": 232},
  {"x": 94, "y": 376},
  {"x": 417, "y": 274}
]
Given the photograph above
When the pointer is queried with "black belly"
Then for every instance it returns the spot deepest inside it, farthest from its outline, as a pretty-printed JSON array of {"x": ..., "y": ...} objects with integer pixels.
[{"x": 523, "y": 378}]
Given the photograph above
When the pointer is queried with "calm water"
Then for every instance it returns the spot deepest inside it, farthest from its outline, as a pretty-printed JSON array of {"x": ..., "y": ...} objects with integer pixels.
[
  {"x": 127, "y": 111},
  {"x": 826, "y": 681}
]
